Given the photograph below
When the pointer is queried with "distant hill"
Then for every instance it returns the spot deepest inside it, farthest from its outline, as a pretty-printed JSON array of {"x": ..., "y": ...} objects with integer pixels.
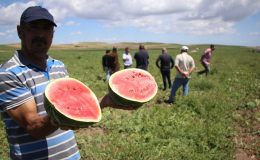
[
  {"x": 122, "y": 45},
  {"x": 104, "y": 45}
]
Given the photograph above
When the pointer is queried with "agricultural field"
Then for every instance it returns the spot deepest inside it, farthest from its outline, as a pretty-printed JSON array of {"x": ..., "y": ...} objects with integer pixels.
[{"x": 218, "y": 120}]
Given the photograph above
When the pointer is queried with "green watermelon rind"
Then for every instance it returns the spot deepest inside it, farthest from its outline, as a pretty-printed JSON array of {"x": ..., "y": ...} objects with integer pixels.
[
  {"x": 126, "y": 101},
  {"x": 61, "y": 119},
  {"x": 64, "y": 120},
  {"x": 120, "y": 100}
]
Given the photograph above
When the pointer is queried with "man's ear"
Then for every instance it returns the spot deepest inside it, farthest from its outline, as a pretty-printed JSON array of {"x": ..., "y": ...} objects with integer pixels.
[{"x": 19, "y": 31}]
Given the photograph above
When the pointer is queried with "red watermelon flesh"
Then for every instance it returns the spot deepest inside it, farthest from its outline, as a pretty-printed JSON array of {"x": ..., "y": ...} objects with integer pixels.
[
  {"x": 73, "y": 99},
  {"x": 133, "y": 84}
]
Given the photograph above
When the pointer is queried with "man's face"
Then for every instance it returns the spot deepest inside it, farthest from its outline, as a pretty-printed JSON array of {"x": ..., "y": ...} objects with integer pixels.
[{"x": 36, "y": 37}]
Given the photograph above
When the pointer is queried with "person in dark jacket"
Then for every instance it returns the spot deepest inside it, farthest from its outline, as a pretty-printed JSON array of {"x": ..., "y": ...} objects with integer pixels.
[
  {"x": 110, "y": 62},
  {"x": 107, "y": 63},
  {"x": 141, "y": 58},
  {"x": 115, "y": 66},
  {"x": 165, "y": 63}
]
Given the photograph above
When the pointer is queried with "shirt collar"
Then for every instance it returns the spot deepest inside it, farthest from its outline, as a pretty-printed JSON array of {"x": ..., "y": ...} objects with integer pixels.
[{"x": 22, "y": 61}]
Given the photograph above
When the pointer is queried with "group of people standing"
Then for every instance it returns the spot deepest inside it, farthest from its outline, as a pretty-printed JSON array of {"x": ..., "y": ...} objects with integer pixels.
[
  {"x": 111, "y": 64},
  {"x": 183, "y": 63},
  {"x": 31, "y": 132}
]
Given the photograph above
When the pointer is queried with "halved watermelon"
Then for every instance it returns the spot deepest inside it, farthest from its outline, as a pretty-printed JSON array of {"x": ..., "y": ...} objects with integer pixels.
[
  {"x": 132, "y": 87},
  {"x": 71, "y": 103}
]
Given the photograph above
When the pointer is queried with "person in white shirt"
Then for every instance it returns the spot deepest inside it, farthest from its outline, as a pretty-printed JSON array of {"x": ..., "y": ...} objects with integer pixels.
[
  {"x": 184, "y": 64},
  {"x": 127, "y": 58}
]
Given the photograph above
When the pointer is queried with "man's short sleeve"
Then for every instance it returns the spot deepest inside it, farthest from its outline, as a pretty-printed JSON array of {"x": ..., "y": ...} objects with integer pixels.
[
  {"x": 176, "y": 61},
  {"x": 192, "y": 63},
  {"x": 12, "y": 91}
]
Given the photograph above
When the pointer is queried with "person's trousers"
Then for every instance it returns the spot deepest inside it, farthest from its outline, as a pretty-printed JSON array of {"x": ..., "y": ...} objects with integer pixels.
[
  {"x": 206, "y": 69},
  {"x": 166, "y": 75},
  {"x": 108, "y": 72},
  {"x": 177, "y": 83},
  {"x": 129, "y": 66}
]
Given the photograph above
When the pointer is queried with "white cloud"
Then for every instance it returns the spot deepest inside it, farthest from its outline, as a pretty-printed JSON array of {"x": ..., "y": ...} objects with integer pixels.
[
  {"x": 232, "y": 10},
  {"x": 254, "y": 33},
  {"x": 171, "y": 24},
  {"x": 76, "y": 33},
  {"x": 11, "y": 14},
  {"x": 8, "y": 32},
  {"x": 153, "y": 7},
  {"x": 199, "y": 17},
  {"x": 2, "y": 34},
  {"x": 71, "y": 23}
]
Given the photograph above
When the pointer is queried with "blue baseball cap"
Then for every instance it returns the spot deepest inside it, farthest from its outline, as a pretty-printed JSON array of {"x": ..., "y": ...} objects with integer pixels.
[{"x": 36, "y": 13}]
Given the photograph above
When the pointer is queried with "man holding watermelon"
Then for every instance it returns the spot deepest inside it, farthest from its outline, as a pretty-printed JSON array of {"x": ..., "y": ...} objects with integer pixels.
[{"x": 30, "y": 131}]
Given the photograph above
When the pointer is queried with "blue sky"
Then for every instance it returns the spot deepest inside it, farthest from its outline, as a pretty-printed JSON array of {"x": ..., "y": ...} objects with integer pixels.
[{"x": 233, "y": 22}]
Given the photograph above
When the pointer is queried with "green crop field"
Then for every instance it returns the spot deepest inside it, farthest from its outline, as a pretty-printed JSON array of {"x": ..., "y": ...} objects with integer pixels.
[{"x": 208, "y": 124}]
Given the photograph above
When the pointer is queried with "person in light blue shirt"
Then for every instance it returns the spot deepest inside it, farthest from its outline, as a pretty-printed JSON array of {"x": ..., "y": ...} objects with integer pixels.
[{"x": 31, "y": 133}]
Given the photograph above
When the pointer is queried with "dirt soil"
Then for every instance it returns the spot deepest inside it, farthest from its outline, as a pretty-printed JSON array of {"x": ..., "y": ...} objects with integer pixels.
[{"x": 247, "y": 139}]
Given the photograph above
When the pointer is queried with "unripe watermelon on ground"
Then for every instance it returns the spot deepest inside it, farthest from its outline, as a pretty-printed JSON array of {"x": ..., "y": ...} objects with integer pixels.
[
  {"x": 69, "y": 102},
  {"x": 132, "y": 87}
]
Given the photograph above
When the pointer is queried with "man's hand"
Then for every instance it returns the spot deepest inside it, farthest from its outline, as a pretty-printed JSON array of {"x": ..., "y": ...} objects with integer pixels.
[
  {"x": 185, "y": 74},
  {"x": 63, "y": 127},
  {"x": 26, "y": 116}
]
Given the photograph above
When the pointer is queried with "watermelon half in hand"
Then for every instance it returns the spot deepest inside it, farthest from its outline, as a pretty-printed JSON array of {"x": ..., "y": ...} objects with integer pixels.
[
  {"x": 71, "y": 103},
  {"x": 132, "y": 87}
]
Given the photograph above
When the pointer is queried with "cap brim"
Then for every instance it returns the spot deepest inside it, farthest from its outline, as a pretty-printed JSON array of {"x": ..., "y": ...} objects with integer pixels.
[{"x": 40, "y": 18}]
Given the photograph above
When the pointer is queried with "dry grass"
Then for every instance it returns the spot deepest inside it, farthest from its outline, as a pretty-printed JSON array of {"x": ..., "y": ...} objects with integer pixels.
[{"x": 104, "y": 45}]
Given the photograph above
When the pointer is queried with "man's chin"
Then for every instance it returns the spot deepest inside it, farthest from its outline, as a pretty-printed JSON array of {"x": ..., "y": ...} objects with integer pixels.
[
  {"x": 40, "y": 52},
  {"x": 40, "y": 48}
]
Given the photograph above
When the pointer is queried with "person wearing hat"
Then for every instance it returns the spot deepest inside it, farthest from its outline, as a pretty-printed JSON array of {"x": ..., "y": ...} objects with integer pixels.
[
  {"x": 165, "y": 66},
  {"x": 184, "y": 65},
  {"x": 205, "y": 60},
  {"x": 31, "y": 133}
]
